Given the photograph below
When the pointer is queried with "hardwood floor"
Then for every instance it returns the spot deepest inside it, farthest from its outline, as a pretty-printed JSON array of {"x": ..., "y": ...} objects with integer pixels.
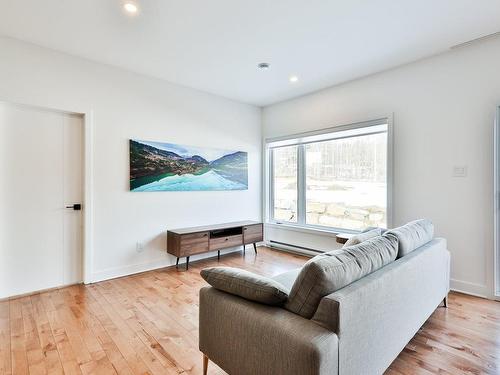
[{"x": 148, "y": 324}]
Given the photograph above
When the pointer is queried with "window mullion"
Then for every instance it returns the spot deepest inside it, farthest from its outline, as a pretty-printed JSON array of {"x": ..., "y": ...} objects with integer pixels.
[
  {"x": 270, "y": 206},
  {"x": 301, "y": 185}
]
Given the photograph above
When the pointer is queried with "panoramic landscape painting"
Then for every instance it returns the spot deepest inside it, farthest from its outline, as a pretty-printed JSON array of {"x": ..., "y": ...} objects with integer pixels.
[{"x": 157, "y": 166}]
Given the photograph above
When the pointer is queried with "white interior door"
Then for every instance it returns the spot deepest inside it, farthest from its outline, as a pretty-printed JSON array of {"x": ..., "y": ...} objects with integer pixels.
[{"x": 40, "y": 174}]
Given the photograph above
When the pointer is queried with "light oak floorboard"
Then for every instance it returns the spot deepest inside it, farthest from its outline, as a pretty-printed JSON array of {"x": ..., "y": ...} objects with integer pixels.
[{"x": 147, "y": 324}]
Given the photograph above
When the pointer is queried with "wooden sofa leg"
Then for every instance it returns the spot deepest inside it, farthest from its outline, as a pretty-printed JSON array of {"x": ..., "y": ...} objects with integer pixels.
[
  {"x": 205, "y": 364},
  {"x": 445, "y": 301}
]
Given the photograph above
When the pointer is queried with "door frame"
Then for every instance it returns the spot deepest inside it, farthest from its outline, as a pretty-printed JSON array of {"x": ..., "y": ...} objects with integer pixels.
[
  {"x": 88, "y": 184},
  {"x": 496, "y": 208}
]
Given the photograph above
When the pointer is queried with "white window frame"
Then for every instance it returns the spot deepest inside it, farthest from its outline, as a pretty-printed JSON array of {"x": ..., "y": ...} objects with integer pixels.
[{"x": 310, "y": 137}]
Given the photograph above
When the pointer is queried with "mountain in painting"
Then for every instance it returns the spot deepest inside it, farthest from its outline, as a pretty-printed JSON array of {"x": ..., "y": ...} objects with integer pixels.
[
  {"x": 147, "y": 160},
  {"x": 233, "y": 167}
]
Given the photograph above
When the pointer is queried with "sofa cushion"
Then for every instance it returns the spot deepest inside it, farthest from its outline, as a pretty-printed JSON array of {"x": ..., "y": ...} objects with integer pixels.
[
  {"x": 363, "y": 236},
  {"x": 246, "y": 284},
  {"x": 328, "y": 272},
  {"x": 382, "y": 230},
  {"x": 413, "y": 235},
  {"x": 287, "y": 278}
]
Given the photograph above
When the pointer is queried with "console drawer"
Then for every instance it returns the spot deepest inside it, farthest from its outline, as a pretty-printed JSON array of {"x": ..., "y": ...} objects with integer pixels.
[{"x": 218, "y": 243}]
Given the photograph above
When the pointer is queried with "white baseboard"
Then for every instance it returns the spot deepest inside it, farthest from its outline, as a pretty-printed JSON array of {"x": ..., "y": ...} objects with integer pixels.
[
  {"x": 168, "y": 261},
  {"x": 113, "y": 273},
  {"x": 466, "y": 287}
]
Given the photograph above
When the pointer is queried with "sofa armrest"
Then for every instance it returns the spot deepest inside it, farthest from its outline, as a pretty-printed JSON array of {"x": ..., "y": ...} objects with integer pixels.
[{"x": 245, "y": 337}]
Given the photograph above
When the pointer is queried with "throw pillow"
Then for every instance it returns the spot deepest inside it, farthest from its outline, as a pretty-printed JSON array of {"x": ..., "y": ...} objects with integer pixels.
[
  {"x": 246, "y": 284},
  {"x": 413, "y": 235}
]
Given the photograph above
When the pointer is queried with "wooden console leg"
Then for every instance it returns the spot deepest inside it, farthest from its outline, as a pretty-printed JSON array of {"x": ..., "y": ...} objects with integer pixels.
[
  {"x": 445, "y": 301},
  {"x": 177, "y": 263},
  {"x": 218, "y": 255},
  {"x": 205, "y": 364},
  {"x": 187, "y": 263},
  {"x": 255, "y": 248}
]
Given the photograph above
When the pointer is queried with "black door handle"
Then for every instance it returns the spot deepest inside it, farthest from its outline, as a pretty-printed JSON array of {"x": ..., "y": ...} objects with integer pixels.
[{"x": 76, "y": 206}]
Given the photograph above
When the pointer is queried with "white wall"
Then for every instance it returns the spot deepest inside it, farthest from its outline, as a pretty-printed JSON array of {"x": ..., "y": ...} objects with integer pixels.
[
  {"x": 444, "y": 109},
  {"x": 127, "y": 105}
]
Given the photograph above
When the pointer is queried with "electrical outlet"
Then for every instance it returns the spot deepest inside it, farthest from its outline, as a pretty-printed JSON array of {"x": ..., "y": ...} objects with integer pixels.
[
  {"x": 459, "y": 171},
  {"x": 139, "y": 247}
]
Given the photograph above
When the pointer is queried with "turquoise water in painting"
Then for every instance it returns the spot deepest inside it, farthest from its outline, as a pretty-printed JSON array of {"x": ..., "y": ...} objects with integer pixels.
[{"x": 189, "y": 182}]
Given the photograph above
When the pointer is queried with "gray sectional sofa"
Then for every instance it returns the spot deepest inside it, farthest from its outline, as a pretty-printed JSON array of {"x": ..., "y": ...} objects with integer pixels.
[{"x": 349, "y": 311}]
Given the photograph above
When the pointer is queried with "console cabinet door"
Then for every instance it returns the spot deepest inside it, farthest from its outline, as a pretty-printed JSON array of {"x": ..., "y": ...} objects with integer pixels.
[
  {"x": 194, "y": 243},
  {"x": 253, "y": 233}
]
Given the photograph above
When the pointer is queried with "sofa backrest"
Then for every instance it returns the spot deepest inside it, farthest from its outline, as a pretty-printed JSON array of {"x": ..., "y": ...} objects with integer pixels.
[
  {"x": 333, "y": 270},
  {"x": 413, "y": 235}
]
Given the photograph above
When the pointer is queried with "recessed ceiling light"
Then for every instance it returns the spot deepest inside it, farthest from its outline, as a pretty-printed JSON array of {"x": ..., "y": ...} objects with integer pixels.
[
  {"x": 130, "y": 7},
  {"x": 263, "y": 66},
  {"x": 293, "y": 79}
]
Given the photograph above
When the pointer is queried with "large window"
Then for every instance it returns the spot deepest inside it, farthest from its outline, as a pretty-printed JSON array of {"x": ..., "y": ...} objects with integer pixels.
[{"x": 332, "y": 180}]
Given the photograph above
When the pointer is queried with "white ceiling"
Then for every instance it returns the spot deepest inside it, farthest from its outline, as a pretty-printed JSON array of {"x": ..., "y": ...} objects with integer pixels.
[{"x": 215, "y": 45}]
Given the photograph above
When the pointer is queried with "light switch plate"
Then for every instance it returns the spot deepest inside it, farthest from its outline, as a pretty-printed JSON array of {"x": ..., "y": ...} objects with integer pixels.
[{"x": 460, "y": 171}]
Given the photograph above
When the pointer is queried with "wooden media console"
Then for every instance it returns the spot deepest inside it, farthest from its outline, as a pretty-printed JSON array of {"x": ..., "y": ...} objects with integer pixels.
[{"x": 197, "y": 240}]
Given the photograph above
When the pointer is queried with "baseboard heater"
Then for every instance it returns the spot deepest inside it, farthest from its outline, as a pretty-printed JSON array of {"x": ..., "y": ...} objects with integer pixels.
[{"x": 272, "y": 242}]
